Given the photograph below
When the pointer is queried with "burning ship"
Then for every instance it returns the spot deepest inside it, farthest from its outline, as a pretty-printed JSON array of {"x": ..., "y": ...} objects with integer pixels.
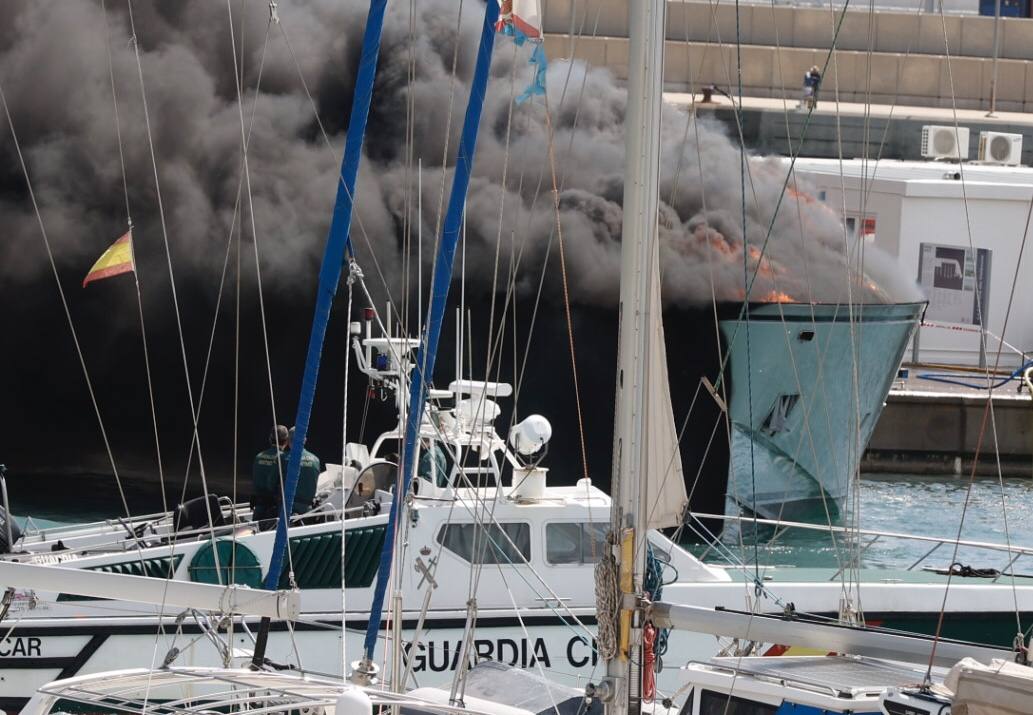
[
  {"x": 798, "y": 385},
  {"x": 806, "y": 384}
]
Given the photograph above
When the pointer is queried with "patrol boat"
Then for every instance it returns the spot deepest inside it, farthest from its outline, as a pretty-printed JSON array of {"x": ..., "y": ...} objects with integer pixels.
[
  {"x": 533, "y": 606},
  {"x": 535, "y": 600}
]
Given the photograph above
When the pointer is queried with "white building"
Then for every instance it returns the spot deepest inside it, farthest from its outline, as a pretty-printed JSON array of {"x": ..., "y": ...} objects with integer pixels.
[{"x": 959, "y": 230}]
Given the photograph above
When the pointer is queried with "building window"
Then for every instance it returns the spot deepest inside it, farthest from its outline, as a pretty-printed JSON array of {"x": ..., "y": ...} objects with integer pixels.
[
  {"x": 488, "y": 543},
  {"x": 575, "y": 543},
  {"x": 858, "y": 226}
]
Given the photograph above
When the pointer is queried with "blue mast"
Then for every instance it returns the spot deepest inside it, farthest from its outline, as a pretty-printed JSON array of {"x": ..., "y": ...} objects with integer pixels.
[
  {"x": 425, "y": 356},
  {"x": 337, "y": 244}
]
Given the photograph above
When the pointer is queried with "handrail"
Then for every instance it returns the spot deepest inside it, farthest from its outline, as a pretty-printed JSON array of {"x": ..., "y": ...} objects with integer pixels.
[
  {"x": 163, "y": 538},
  {"x": 991, "y": 546},
  {"x": 781, "y": 679}
]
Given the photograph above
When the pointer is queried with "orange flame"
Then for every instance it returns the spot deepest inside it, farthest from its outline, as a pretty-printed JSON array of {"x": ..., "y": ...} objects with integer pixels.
[
  {"x": 776, "y": 296},
  {"x": 800, "y": 195}
]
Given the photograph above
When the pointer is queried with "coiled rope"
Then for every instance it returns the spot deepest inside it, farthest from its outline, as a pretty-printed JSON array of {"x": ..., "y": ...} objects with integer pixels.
[{"x": 606, "y": 598}]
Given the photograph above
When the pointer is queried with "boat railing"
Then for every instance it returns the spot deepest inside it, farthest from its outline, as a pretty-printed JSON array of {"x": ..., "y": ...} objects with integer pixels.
[
  {"x": 202, "y": 691},
  {"x": 873, "y": 536},
  {"x": 133, "y": 541},
  {"x": 33, "y": 532},
  {"x": 785, "y": 679}
]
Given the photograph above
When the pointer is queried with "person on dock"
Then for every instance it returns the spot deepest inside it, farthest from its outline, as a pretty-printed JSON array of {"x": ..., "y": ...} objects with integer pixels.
[
  {"x": 310, "y": 469},
  {"x": 266, "y": 474},
  {"x": 811, "y": 83}
]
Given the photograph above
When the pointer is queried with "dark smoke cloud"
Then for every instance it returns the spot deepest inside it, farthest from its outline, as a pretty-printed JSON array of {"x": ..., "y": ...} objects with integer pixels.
[{"x": 54, "y": 68}]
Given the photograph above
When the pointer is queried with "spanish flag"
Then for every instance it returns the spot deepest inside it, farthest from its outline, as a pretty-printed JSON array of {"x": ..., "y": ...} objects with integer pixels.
[{"x": 116, "y": 260}]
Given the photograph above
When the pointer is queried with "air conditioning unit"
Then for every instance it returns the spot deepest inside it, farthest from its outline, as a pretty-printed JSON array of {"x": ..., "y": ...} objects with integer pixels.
[
  {"x": 1000, "y": 148},
  {"x": 944, "y": 142}
]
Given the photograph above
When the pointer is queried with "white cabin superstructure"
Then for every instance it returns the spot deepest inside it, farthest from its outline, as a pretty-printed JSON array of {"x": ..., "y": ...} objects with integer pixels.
[{"x": 974, "y": 215}]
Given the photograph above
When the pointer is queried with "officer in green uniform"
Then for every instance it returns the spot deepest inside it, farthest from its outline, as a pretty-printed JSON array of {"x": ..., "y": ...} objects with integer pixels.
[
  {"x": 433, "y": 465},
  {"x": 269, "y": 465},
  {"x": 310, "y": 469}
]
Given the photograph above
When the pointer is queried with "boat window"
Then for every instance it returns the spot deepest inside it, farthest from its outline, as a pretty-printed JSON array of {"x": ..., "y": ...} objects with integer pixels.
[
  {"x": 711, "y": 703},
  {"x": 575, "y": 542},
  {"x": 488, "y": 544}
]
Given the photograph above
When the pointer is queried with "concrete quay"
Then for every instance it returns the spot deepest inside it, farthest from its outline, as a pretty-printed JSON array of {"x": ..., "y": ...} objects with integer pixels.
[
  {"x": 886, "y": 57},
  {"x": 849, "y": 129},
  {"x": 929, "y": 427}
]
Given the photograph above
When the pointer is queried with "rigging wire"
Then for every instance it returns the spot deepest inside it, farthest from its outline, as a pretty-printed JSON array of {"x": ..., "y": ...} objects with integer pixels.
[
  {"x": 988, "y": 410},
  {"x": 514, "y": 262},
  {"x": 494, "y": 350},
  {"x": 511, "y": 286},
  {"x": 794, "y": 153},
  {"x": 846, "y": 609},
  {"x": 132, "y": 253},
  {"x": 748, "y": 281},
  {"x": 344, "y": 463},
  {"x": 238, "y": 80},
  {"x": 172, "y": 279},
  {"x": 143, "y": 331},
  {"x": 746, "y": 295},
  {"x": 723, "y": 358},
  {"x": 356, "y": 216},
  {"x": 64, "y": 300},
  {"x": 238, "y": 72},
  {"x": 473, "y": 490}
]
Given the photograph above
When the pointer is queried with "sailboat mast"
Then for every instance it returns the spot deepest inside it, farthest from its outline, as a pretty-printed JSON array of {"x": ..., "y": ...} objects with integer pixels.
[{"x": 638, "y": 254}]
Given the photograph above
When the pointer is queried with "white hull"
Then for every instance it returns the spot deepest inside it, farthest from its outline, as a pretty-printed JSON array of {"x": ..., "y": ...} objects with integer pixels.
[{"x": 44, "y": 648}]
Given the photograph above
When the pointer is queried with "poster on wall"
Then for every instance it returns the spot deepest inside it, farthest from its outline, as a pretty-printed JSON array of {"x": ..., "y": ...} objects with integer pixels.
[{"x": 952, "y": 278}]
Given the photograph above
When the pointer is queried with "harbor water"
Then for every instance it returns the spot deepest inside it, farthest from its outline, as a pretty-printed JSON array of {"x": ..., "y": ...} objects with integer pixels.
[
  {"x": 913, "y": 505},
  {"x": 905, "y": 504}
]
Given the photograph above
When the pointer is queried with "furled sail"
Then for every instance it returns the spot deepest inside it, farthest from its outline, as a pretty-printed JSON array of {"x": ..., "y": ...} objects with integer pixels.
[
  {"x": 647, "y": 446},
  {"x": 647, "y": 480},
  {"x": 663, "y": 487}
]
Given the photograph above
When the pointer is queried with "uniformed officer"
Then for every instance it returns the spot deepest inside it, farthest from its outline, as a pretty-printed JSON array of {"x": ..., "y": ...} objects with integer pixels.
[
  {"x": 270, "y": 465},
  {"x": 310, "y": 469},
  {"x": 433, "y": 465}
]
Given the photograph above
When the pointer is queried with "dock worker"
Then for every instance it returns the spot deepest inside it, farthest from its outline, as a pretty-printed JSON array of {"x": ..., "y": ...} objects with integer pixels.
[
  {"x": 811, "y": 83},
  {"x": 266, "y": 474},
  {"x": 309, "y": 476}
]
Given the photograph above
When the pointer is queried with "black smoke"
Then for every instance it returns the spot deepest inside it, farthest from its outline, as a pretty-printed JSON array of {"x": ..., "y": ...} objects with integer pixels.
[{"x": 55, "y": 74}]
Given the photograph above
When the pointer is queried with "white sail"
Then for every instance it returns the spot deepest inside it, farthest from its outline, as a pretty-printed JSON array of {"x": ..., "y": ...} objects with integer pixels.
[
  {"x": 663, "y": 490},
  {"x": 647, "y": 483}
]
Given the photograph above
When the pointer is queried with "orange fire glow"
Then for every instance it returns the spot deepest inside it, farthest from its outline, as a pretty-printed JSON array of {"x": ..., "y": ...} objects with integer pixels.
[
  {"x": 800, "y": 195},
  {"x": 776, "y": 296}
]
